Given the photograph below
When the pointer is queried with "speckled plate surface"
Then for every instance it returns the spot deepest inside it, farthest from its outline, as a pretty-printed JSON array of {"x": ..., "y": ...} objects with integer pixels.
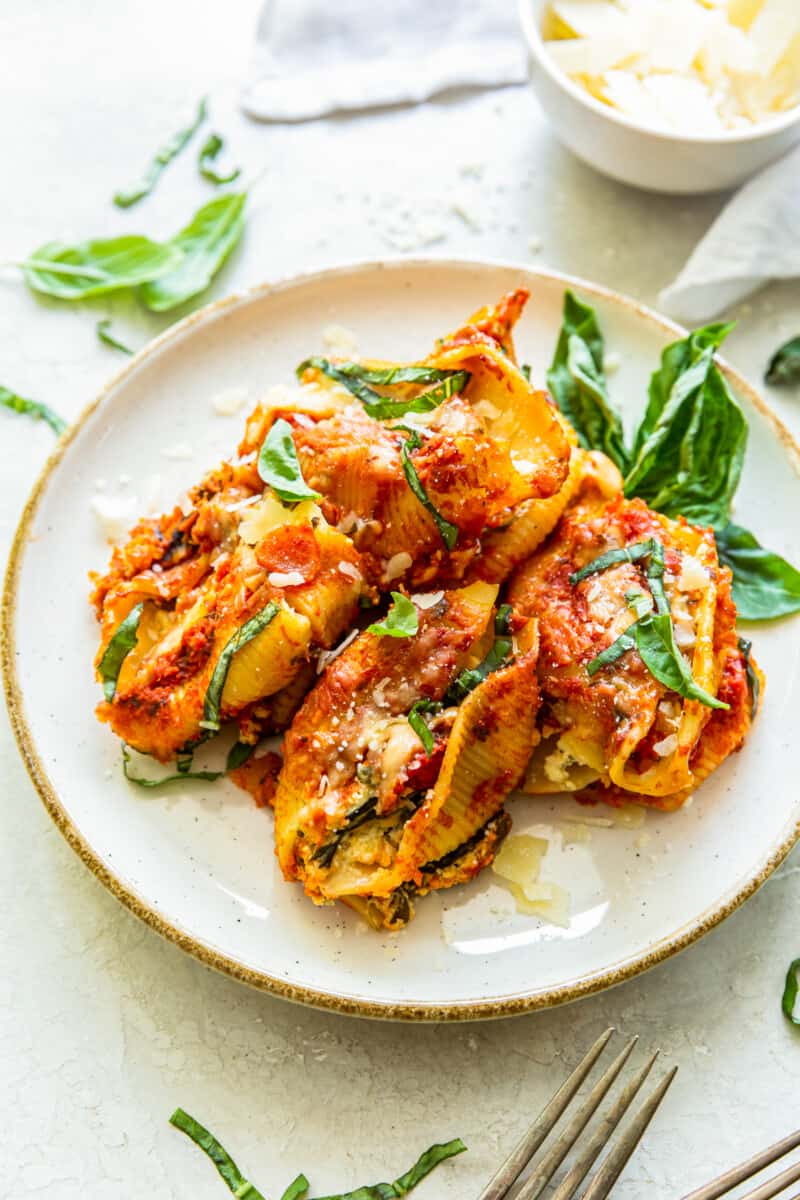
[{"x": 197, "y": 862}]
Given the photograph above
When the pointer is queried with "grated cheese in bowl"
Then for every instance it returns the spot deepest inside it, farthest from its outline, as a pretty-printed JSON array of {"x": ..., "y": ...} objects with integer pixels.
[{"x": 682, "y": 66}]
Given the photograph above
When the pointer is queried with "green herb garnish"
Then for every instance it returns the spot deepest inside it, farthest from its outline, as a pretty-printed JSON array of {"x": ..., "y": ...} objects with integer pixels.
[
  {"x": 209, "y": 152},
  {"x": 790, "y": 989},
  {"x": 406, "y": 1183},
  {"x": 357, "y": 816},
  {"x": 525, "y": 368},
  {"x": 104, "y": 333},
  {"x": 98, "y": 266},
  {"x": 448, "y": 531},
  {"x": 163, "y": 158},
  {"x": 296, "y": 1189},
  {"x": 238, "y": 755},
  {"x": 117, "y": 650},
  {"x": 219, "y": 1156},
  {"x": 250, "y": 629},
  {"x": 418, "y": 723},
  {"x": 32, "y": 408},
  {"x": 401, "y": 621},
  {"x": 499, "y": 656},
  {"x": 203, "y": 246},
  {"x": 633, "y": 553},
  {"x": 183, "y": 772},
  {"x": 764, "y": 584},
  {"x": 357, "y": 379},
  {"x": 278, "y": 465},
  {"x": 784, "y": 366},
  {"x": 753, "y": 682}
]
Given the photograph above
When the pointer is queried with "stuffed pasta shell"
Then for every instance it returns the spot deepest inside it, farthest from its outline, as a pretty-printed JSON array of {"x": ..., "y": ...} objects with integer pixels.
[
  {"x": 644, "y": 683},
  {"x": 397, "y": 765}
]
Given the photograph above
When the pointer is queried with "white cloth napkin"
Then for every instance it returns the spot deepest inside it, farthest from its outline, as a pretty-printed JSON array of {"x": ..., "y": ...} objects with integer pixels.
[
  {"x": 755, "y": 238},
  {"x": 315, "y": 57}
]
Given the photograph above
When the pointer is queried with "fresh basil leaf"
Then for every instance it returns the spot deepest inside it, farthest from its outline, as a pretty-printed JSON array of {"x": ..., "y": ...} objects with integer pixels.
[
  {"x": 98, "y": 266},
  {"x": 106, "y": 336},
  {"x": 357, "y": 378},
  {"x": 753, "y": 682},
  {"x": 790, "y": 989},
  {"x": 208, "y": 154},
  {"x": 117, "y": 650},
  {"x": 418, "y": 723},
  {"x": 219, "y": 1156},
  {"x": 163, "y": 158},
  {"x": 689, "y": 448},
  {"x": 32, "y": 408},
  {"x": 296, "y": 1189},
  {"x": 204, "y": 244},
  {"x": 279, "y": 468},
  {"x": 243, "y": 635},
  {"x": 407, "y": 1182},
  {"x": 655, "y": 641},
  {"x": 612, "y": 558},
  {"x": 468, "y": 679},
  {"x": 784, "y": 366},
  {"x": 183, "y": 773},
  {"x": 577, "y": 382},
  {"x": 401, "y": 621},
  {"x": 238, "y": 755},
  {"x": 612, "y": 653},
  {"x": 764, "y": 584},
  {"x": 448, "y": 531}
]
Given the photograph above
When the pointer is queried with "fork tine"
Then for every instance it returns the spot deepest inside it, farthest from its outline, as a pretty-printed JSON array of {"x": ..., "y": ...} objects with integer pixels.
[
  {"x": 773, "y": 1186},
  {"x": 724, "y": 1183},
  {"x": 554, "y": 1157},
  {"x": 530, "y": 1142},
  {"x": 614, "y": 1162},
  {"x": 578, "y": 1172}
]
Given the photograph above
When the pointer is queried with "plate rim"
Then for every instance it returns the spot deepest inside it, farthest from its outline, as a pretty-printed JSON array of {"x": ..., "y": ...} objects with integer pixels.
[{"x": 209, "y": 955}]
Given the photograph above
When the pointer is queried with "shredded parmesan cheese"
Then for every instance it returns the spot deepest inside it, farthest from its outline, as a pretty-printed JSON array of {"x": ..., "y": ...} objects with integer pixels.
[
  {"x": 284, "y": 579},
  {"x": 327, "y": 656},
  {"x": 425, "y": 600},
  {"x": 350, "y": 570},
  {"x": 396, "y": 565},
  {"x": 228, "y": 402},
  {"x": 666, "y": 746}
]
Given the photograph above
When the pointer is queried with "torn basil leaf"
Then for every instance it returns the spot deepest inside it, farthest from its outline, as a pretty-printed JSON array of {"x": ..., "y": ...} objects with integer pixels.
[
  {"x": 655, "y": 641},
  {"x": 407, "y": 1182},
  {"x": 98, "y": 266},
  {"x": 219, "y": 1156},
  {"x": 238, "y": 755},
  {"x": 689, "y": 448},
  {"x": 183, "y": 773},
  {"x": 162, "y": 159},
  {"x": 401, "y": 621},
  {"x": 278, "y": 465},
  {"x": 764, "y": 584},
  {"x": 202, "y": 245},
  {"x": 104, "y": 333},
  {"x": 32, "y": 408},
  {"x": 612, "y": 558},
  {"x": 209, "y": 152},
  {"x": 784, "y": 366},
  {"x": 499, "y": 656},
  {"x": 296, "y": 1189},
  {"x": 753, "y": 682},
  {"x": 448, "y": 531},
  {"x": 577, "y": 382},
  {"x": 502, "y": 620},
  {"x": 117, "y": 650},
  {"x": 360, "y": 381},
  {"x": 790, "y": 989},
  {"x": 243, "y": 635},
  {"x": 416, "y": 720}
]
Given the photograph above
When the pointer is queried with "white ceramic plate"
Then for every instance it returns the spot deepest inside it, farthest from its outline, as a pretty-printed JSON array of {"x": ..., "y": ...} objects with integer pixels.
[{"x": 197, "y": 862}]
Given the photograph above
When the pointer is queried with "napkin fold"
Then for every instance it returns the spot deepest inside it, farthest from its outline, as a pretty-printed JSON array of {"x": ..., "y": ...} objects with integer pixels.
[
  {"x": 755, "y": 238},
  {"x": 314, "y": 57}
]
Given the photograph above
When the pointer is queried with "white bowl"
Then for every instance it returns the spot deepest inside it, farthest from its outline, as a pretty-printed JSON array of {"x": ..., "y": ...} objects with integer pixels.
[{"x": 632, "y": 152}]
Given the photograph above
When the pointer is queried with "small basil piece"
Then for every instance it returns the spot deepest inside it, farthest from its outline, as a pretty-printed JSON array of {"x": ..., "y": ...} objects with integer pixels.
[
  {"x": 407, "y": 1182},
  {"x": 203, "y": 246},
  {"x": 95, "y": 267},
  {"x": 612, "y": 558},
  {"x": 32, "y": 408},
  {"x": 418, "y": 723},
  {"x": 753, "y": 682},
  {"x": 183, "y": 773},
  {"x": 784, "y": 366},
  {"x": 296, "y": 1189},
  {"x": 499, "y": 656},
  {"x": 209, "y": 152},
  {"x": 502, "y": 620},
  {"x": 357, "y": 816},
  {"x": 357, "y": 378},
  {"x": 117, "y": 650},
  {"x": 163, "y": 158},
  {"x": 401, "y": 621},
  {"x": 104, "y": 333},
  {"x": 448, "y": 531},
  {"x": 790, "y": 989},
  {"x": 764, "y": 584},
  {"x": 279, "y": 468},
  {"x": 243, "y": 635},
  {"x": 219, "y": 1156},
  {"x": 577, "y": 381},
  {"x": 525, "y": 368},
  {"x": 238, "y": 755}
]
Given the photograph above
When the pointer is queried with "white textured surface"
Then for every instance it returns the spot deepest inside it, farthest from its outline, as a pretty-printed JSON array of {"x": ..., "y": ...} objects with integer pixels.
[{"x": 104, "y": 1027}]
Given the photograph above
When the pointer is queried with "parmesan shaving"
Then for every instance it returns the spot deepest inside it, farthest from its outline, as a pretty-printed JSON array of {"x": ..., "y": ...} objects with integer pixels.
[
  {"x": 327, "y": 656},
  {"x": 284, "y": 579},
  {"x": 426, "y": 600},
  {"x": 228, "y": 403},
  {"x": 396, "y": 565}
]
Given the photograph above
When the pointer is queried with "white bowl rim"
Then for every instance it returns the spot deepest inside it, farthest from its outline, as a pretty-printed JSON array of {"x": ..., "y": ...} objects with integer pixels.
[{"x": 536, "y": 45}]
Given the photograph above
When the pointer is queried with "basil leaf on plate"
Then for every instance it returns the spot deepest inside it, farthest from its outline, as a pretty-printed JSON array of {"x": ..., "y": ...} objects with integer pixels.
[
  {"x": 448, "y": 531},
  {"x": 790, "y": 989},
  {"x": 753, "y": 682},
  {"x": 416, "y": 720},
  {"x": 401, "y": 621},
  {"x": 117, "y": 650},
  {"x": 243, "y": 635},
  {"x": 407, "y": 1182},
  {"x": 32, "y": 408},
  {"x": 577, "y": 381},
  {"x": 764, "y": 584},
  {"x": 183, "y": 773},
  {"x": 689, "y": 448},
  {"x": 163, "y": 158},
  {"x": 203, "y": 245},
  {"x": 95, "y": 267},
  {"x": 358, "y": 380},
  {"x": 209, "y": 152},
  {"x": 238, "y": 755},
  {"x": 784, "y": 366},
  {"x": 104, "y": 333},
  {"x": 296, "y": 1189},
  {"x": 219, "y": 1156},
  {"x": 278, "y": 465}
]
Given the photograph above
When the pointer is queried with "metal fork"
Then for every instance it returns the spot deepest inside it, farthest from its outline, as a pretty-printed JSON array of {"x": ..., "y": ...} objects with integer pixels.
[
  {"x": 724, "y": 1184},
  {"x": 620, "y": 1150}
]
